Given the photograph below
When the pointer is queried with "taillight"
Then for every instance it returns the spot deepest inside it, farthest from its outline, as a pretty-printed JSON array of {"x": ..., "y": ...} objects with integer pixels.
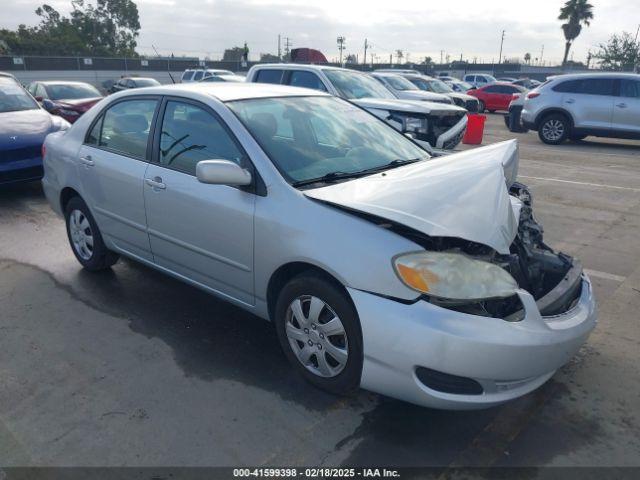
[
  {"x": 515, "y": 96},
  {"x": 533, "y": 95},
  {"x": 44, "y": 150}
]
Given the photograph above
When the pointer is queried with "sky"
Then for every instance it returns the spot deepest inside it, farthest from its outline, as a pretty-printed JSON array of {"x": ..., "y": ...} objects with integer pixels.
[{"x": 467, "y": 28}]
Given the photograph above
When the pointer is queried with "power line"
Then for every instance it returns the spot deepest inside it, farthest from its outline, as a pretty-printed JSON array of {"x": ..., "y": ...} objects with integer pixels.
[{"x": 341, "y": 46}]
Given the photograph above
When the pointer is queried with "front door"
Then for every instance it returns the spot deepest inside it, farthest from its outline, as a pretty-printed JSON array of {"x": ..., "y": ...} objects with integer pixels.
[
  {"x": 199, "y": 231},
  {"x": 112, "y": 163}
]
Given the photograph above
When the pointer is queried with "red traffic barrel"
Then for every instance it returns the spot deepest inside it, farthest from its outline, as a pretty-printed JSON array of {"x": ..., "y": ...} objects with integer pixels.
[{"x": 475, "y": 129}]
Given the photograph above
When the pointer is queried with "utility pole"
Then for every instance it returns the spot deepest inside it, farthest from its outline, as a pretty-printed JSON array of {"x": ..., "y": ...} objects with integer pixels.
[
  {"x": 541, "y": 55},
  {"x": 287, "y": 48},
  {"x": 637, "y": 31},
  {"x": 501, "y": 43},
  {"x": 366, "y": 45},
  {"x": 441, "y": 55},
  {"x": 341, "y": 46},
  {"x": 279, "y": 49}
]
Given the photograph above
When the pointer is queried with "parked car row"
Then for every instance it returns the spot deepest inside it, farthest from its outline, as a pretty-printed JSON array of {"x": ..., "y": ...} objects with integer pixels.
[
  {"x": 258, "y": 192},
  {"x": 437, "y": 125}
]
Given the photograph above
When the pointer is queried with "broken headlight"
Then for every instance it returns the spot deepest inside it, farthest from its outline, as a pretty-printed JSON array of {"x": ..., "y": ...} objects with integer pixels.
[{"x": 453, "y": 276}]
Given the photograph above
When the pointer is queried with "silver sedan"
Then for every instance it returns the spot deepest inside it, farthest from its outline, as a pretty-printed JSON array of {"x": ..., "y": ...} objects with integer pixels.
[{"x": 425, "y": 279}]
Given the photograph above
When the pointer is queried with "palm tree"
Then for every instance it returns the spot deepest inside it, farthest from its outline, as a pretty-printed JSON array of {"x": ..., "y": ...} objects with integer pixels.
[
  {"x": 576, "y": 13},
  {"x": 527, "y": 58}
]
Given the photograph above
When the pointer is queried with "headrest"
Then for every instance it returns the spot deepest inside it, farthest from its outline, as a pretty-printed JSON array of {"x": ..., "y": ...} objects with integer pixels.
[
  {"x": 265, "y": 123},
  {"x": 131, "y": 123}
]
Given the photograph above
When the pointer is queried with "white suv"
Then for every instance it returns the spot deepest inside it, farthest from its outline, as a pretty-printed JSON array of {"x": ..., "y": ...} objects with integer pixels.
[
  {"x": 574, "y": 106},
  {"x": 479, "y": 79},
  {"x": 198, "y": 74}
]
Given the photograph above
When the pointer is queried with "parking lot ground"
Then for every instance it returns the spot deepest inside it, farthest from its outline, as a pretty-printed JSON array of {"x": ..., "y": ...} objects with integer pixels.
[{"x": 131, "y": 368}]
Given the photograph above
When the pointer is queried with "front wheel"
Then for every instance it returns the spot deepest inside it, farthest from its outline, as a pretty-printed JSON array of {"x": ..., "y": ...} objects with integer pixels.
[
  {"x": 319, "y": 330},
  {"x": 554, "y": 129},
  {"x": 85, "y": 238},
  {"x": 480, "y": 106}
]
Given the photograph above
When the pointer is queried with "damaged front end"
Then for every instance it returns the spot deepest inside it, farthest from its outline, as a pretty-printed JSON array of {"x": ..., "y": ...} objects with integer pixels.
[{"x": 554, "y": 279}]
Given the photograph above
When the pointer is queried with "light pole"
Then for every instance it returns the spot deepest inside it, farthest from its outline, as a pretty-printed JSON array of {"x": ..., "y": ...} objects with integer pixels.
[
  {"x": 501, "y": 43},
  {"x": 341, "y": 47}
]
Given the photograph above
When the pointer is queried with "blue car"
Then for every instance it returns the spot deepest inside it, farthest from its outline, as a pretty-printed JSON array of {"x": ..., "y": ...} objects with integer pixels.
[{"x": 23, "y": 127}]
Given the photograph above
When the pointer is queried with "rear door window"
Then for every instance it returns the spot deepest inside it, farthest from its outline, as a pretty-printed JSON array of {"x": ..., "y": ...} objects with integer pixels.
[
  {"x": 301, "y": 78},
  {"x": 198, "y": 75},
  {"x": 493, "y": 89},
  {"x": 597, "y": 86},
  {"x": 186, "y": 76},
  {"x": 269, "y": 76},
  {"x": 125, "y": 127}
]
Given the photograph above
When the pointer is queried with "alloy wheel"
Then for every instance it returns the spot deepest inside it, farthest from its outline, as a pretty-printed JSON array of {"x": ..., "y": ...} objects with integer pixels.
[
  {"x": 553, "y": 130},
  {"x": 317, "y": 336}
]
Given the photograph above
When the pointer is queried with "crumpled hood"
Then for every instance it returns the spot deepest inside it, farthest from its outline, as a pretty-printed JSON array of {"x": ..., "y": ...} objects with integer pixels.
[
  {"x": 413, "y": 106},
  {"x": 462, "y": 96},
  {"x": 82, "y": 104},
  {"x": 461, "y": 195}
]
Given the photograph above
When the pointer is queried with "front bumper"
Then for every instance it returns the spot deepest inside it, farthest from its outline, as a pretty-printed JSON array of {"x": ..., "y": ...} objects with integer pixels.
[
  {"x": 24, "y": 170},
  {"x": 508, "y": 359}
]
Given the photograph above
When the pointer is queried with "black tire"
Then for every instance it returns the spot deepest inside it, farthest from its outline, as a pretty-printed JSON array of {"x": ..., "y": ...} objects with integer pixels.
[
  {"x": 554, "y": 129},
  {"x": 98, "y": 257},
  {"x": 316, "y": 285},
  {"x": 480, "y": 106}
]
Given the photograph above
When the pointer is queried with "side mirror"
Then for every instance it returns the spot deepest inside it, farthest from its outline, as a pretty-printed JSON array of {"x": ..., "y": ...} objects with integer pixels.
[
  {"x": 222, "y": 172},
  {"x": 38, "y": 98}
]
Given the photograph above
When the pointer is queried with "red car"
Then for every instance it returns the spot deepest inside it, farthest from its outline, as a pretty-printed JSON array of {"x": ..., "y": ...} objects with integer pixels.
[
  {"x": 68, "y": 100},
  {"x": 495, "y": 96}
]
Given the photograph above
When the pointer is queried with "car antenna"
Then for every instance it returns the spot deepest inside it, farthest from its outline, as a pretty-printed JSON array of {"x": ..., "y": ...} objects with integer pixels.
[{"x": 168, "y": 70}]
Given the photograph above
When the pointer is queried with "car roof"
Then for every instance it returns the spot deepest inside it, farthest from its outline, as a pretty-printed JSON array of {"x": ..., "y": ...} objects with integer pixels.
[
  {"x": 303, "y": 66},
  {"x": 572, "y": 76},
  {"x": 228, "y": 91},
  {"x": 60, "y": 82}
]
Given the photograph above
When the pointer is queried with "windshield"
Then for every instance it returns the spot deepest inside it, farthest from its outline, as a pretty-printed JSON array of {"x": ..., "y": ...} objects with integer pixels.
[
  {"x": 431, "y": 85},
  {"x": 356, "y": 85},
  {"x": 310, "y": 137},
  {"x": 13, "y": 97},
  {"x": 223, "y": 72},
  {"x": 63, "y": 91},
  {"x": 146, "y": 82},
  {"x": 400, "y": 83}
]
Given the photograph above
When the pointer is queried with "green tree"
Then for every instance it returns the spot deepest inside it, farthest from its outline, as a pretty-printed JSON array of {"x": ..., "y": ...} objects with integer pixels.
[
  {"x": 576, "y": 13},
  {"x": 269, "y": 57},
  {"x": 621, "y": 52},
  {"x": 106, "y": 28},
  {"x": 527, "y": 58}
]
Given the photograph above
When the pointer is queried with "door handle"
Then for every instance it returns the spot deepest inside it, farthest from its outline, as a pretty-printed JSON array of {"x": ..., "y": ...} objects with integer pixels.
[
  {"x": 571, "y": 100},
  {"x": 621, "y": 105},
  {"x": 155, "y": 182},
  {"x": 87, "y": 161}
]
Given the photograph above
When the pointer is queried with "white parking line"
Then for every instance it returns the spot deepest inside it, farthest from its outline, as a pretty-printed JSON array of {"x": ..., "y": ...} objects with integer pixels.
[
  {"x": 605, "y": 275},
  {"x": 587, "y": 184}
]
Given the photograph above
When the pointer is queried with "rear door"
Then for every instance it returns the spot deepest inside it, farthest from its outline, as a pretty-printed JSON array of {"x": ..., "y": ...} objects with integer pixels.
[
  {"x": 269, "y": 75},
  {"x": 590, "y": 102},
  {"x": 199, "y": 231},
  {"x": 626, "y": 109},
  {"x": 112, "y": 163}
]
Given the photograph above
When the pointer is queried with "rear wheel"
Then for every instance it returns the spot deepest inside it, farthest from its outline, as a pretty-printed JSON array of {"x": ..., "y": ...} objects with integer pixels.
[
  {"x": 85, "y": 238},
  {"x": 319, "y": 330},
  {"x": 554, "y": 129}
]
